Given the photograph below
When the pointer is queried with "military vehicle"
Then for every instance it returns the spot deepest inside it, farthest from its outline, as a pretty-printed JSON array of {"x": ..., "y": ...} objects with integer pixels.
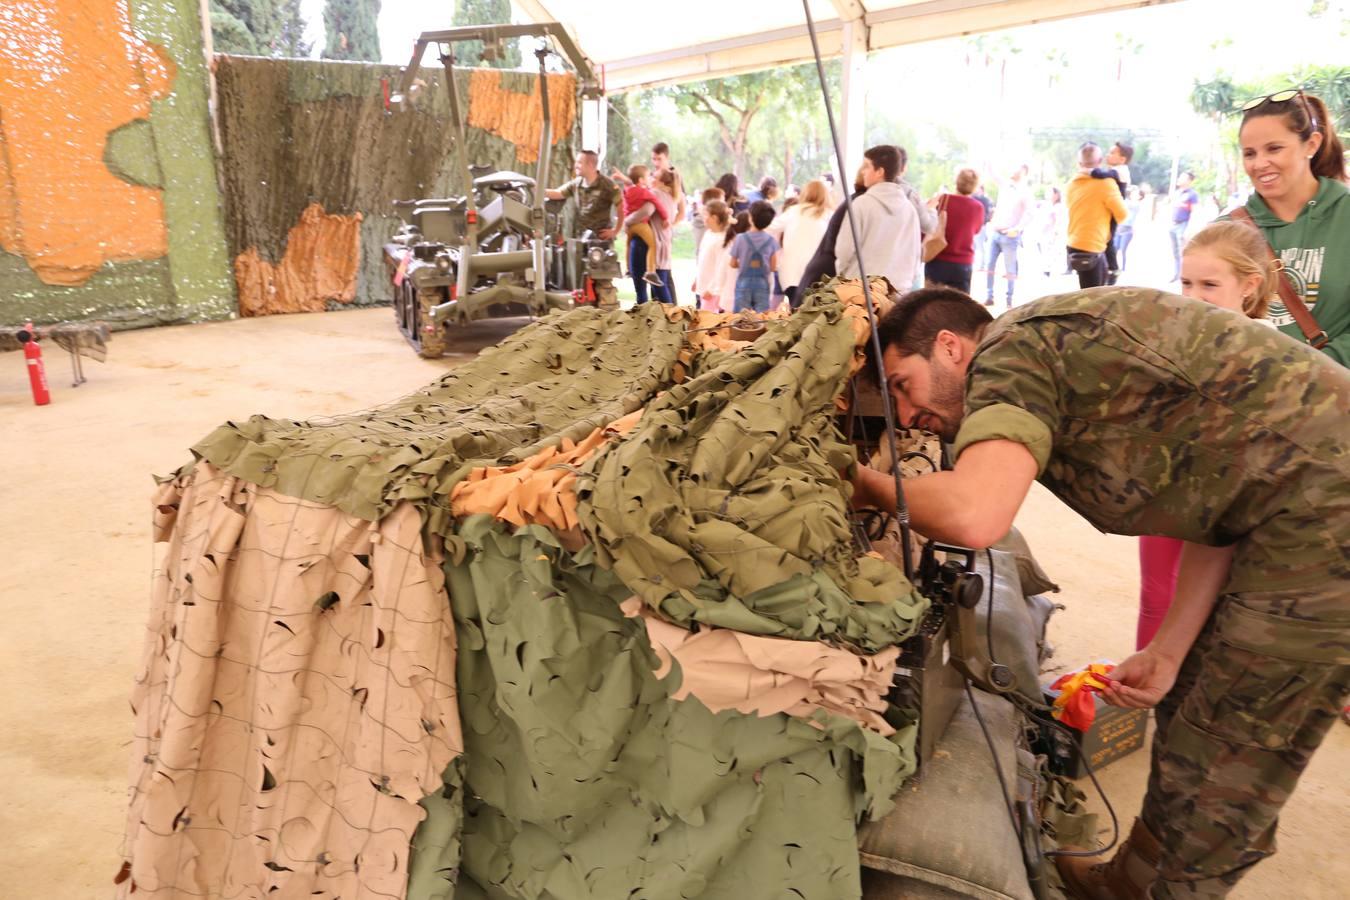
[{"x": 490, "y": 252}]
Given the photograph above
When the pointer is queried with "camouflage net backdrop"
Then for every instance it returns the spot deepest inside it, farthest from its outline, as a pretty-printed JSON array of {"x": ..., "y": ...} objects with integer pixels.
[
  {"x": 312, "y": 160},
  {"x": 580, "y": 618}
]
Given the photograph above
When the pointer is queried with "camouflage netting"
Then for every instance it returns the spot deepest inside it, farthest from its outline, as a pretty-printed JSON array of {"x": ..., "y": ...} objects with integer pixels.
[
  {"x": 669, "y": 663},
  {"x": 109, "y": 207},
  {"x": 305, "y": 135}
]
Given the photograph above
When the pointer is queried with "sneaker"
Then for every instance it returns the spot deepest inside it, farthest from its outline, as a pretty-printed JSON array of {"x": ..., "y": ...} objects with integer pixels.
[
  {"x": 989, "y": 301},
  {"x": 653, "y": 279}
]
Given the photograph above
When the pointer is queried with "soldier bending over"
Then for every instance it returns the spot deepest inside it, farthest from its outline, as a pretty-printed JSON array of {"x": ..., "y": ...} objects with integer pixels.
[{"x": 1149, "y": 413}]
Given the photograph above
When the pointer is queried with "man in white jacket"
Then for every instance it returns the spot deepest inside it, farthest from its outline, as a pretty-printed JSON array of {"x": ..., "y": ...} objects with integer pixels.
[{"x": 888, "y": 226}]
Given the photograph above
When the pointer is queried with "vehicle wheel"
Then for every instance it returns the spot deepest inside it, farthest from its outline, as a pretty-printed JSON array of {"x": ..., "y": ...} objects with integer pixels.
[
  {"x": 429, "y": 344},
  {"x": 412, "y": 309}
]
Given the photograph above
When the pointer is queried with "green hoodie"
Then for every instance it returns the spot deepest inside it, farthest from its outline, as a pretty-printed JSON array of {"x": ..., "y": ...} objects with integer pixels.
[{"x": 1315, "y": 248}]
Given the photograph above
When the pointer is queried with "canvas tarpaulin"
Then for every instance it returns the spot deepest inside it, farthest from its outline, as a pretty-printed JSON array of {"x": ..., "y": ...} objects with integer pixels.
[{"x": 587, "y": 764}]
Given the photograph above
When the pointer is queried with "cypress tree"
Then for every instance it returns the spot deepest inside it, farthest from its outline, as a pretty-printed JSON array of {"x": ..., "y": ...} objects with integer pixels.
[
  {"x": 485, "y": 12},
  {"x": 258, "y": 27},
  {"x": 351, "y": 30}
]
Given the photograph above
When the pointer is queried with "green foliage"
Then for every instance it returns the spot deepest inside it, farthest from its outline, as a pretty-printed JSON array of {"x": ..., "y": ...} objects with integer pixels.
[
  {"x": 618, "y": 132},
  {"x": 1149, "y": 167},
  {"x": 1214, "y": 99},
  {"x": 229, "y": 34},
  {"x": 290, "y": 38},
  {"x": 351, "y": 31},
  {"x": 258, "y": 27},
  {"x": 1332, "y": 84},
  {"x": 750, "y": 125},
  {"x": 485, "y": 12}
]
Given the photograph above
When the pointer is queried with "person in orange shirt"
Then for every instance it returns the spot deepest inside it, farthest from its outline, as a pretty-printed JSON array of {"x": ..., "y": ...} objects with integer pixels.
[{"x": 1093, "y": 204}]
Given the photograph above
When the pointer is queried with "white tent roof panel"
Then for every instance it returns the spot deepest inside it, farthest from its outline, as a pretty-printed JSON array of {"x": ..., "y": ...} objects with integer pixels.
[{"x": 696, "y": 39}]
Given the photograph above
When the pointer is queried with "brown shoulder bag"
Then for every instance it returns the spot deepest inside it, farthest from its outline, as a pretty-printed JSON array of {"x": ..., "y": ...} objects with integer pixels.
[
  {"x": 1292, "y": 301},
  {"x": 936, "y": 242}
]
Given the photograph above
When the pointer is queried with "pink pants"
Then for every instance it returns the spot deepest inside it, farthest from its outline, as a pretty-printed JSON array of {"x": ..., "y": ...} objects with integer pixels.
[{"x": 1159, "y": 558}]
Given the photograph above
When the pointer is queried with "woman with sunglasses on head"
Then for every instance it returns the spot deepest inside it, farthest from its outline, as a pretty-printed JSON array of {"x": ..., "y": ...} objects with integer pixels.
[{"x": 1294, "y": 158}]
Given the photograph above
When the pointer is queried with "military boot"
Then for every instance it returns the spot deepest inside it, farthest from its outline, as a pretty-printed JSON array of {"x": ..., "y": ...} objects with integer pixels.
[{"x": 1126, "y": 877}]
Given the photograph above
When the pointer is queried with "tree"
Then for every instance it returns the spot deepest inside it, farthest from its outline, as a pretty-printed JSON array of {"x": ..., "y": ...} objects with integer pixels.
[
  {"x": 258, "y": 27},
  {"x": 290, "y": 39},
  {"x": 1332, "y": 84},
  {"x": 485, "y": 12},
  {"x": 350, "y": 30},
  {"x": 618, "y": 131},
  {"x": 733, "y": 103}
]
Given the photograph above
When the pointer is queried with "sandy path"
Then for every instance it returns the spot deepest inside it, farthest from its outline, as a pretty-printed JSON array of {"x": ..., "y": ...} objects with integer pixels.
[{"x": 74, "y": 584}]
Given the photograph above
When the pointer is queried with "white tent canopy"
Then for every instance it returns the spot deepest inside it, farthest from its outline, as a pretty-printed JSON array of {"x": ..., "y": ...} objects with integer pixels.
[{"x": 635, "y": 47}]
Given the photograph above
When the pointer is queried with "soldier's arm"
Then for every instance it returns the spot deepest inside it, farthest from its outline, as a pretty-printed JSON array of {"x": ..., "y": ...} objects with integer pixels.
[
  {"x": 973, "y": 505},
  {"x": 616, "y": 209},
  {"x": 1143, "y": 679}
]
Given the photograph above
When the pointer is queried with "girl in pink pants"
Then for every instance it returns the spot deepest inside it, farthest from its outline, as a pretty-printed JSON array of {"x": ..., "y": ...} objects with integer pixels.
[{"x": 1224, "y": 264}]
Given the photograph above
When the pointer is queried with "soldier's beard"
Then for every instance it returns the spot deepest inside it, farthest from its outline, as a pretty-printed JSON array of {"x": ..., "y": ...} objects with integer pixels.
[{"x": 946, "y": 405}]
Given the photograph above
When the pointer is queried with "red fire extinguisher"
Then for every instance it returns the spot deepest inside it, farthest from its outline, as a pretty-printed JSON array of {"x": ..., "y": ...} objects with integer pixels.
[{"x": 37, "y": 375}]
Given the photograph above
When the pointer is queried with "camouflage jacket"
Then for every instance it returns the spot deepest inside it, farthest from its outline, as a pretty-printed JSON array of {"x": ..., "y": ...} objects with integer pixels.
[{"x": 1148, "y": 413}]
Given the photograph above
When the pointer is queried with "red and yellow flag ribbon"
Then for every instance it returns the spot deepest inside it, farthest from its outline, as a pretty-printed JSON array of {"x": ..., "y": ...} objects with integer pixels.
[{"x": 1076, "y": 705}]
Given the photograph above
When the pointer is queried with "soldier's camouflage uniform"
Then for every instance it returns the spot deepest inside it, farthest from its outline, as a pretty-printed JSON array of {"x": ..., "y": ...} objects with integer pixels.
[{"x": 1152, "y": 414}]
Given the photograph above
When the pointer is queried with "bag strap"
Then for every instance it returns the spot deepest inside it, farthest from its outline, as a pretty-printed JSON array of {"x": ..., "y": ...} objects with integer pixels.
[{"x": 1303, "y": 316}]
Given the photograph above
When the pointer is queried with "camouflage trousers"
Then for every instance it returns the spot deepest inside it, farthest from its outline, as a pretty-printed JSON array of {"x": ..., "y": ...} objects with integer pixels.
[{"x": 1253, "y": 700}]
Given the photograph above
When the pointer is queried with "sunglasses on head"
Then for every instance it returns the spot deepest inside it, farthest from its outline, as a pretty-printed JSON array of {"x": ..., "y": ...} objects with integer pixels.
[{"x": 1278, "y": 97}]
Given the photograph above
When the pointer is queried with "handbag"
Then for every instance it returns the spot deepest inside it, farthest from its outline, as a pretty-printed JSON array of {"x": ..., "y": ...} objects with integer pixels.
[
  {"x": 936, "y": 242},
  {"x": 1312, "y": 332}
]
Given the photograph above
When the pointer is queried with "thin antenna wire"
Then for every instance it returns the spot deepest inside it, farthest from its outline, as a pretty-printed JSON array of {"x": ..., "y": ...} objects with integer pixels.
[{"x": 901, "y": 508}]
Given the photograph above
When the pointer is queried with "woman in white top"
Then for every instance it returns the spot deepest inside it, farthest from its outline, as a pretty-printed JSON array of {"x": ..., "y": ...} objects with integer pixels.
[{"x": 799, "y": 231}]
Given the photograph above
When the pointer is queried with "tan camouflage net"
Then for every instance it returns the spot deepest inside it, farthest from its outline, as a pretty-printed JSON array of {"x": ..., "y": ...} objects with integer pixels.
[
  {"x": 296, "y": 697},
  {"x": 629, "y": 538}
]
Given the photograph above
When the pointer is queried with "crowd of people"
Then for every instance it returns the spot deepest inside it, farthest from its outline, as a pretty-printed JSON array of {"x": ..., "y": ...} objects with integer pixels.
[
  {"x": 1086, "y": 228},
  {"x": 1222, "y": 442}
]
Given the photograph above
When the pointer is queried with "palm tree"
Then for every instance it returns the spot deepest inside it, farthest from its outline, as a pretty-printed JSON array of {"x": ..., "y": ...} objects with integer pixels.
[{"x": 1215, "y": 101}]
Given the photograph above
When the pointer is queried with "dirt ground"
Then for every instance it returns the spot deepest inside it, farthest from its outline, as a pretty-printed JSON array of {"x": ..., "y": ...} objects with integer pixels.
[{"x": 74, "y": 584}]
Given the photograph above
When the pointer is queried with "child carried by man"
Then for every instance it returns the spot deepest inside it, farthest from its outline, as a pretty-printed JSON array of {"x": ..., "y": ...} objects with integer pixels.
[{"x": 634, "y": 196}]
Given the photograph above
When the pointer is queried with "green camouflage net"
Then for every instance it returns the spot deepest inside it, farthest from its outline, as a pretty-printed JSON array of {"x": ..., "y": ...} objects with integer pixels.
[
  {"x": 585, "y": 779},
  {"x": 582, "y": 773}
]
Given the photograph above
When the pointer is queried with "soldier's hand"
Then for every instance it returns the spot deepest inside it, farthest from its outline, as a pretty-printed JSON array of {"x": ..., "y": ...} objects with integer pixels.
[
  {"x": 864, "y": 493},
  {"x": 1141, "y": 681},
  {"x": 605, "y": 234}
]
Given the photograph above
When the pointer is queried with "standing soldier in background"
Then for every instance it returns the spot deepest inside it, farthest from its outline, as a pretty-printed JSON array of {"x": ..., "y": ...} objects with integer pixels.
[
  {"x": 598, "y": 201},
  {"x": 1151, "y": 414}
]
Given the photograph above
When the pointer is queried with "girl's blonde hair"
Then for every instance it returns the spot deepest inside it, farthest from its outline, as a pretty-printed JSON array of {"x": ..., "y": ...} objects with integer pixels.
[
  {"x": 1245, "y": 249},
  {"x": 815, "y": 197}
]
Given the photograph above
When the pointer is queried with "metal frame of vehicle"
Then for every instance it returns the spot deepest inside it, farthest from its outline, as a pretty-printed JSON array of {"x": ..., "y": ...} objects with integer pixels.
[{"x": 438, "y": 274}]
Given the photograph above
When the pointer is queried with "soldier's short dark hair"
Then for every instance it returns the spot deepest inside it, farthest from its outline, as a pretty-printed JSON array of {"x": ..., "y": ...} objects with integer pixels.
[
  {"x": 912, "y": 325},
  {"x": 884, "y": 157},
  {"x": 761, "y": 214},
  {"x": 661, "y": 147}
]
